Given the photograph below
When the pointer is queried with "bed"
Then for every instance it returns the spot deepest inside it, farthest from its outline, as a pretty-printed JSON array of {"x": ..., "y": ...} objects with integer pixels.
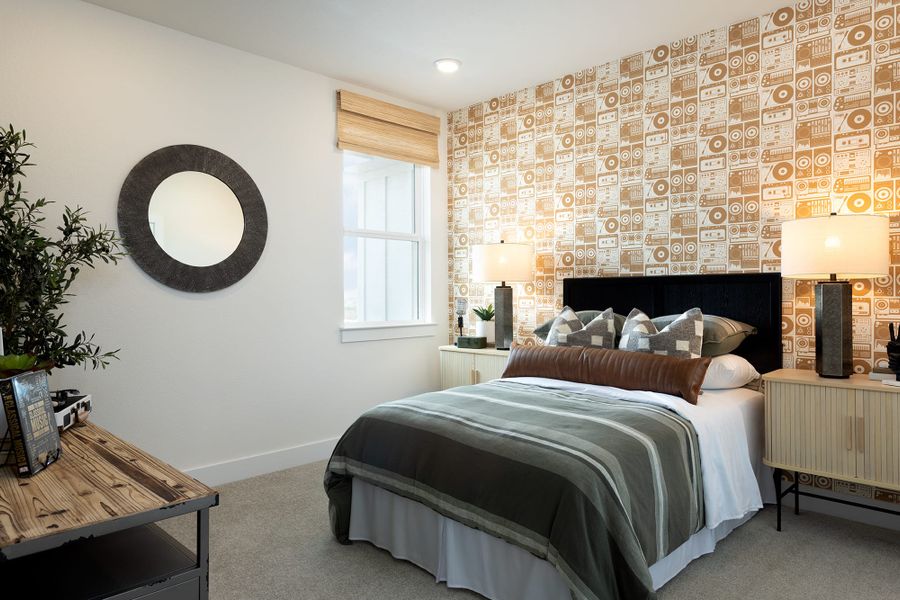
[{"x": 538, "y": 533}]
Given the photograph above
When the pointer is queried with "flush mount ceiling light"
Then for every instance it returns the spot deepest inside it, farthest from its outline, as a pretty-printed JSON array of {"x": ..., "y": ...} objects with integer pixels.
[{"x": 447, "y": 65}]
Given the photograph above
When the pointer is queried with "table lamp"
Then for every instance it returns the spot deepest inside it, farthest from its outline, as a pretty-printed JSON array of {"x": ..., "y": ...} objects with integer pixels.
[
  {"x": 833, "y": 249},
  {"x": 502, "y": 262}
]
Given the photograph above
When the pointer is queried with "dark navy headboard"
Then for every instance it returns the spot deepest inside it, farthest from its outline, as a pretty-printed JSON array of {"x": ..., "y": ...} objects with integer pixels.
[{"x": 754, "y": 298}]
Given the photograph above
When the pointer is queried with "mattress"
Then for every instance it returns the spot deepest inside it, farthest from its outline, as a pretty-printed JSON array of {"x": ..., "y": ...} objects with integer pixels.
[{"x": 465, "y": 557}]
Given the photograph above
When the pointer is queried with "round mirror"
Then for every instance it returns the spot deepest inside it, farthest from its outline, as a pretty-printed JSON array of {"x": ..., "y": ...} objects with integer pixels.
[
  {"x": 192, "y": 218},
  {"x": 195, "y": 218}
]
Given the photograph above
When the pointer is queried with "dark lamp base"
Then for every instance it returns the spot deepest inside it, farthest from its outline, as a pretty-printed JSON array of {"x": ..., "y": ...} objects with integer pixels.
[
  {"x": 834, "y": 330},
  {"x": 503, "y": 316}
]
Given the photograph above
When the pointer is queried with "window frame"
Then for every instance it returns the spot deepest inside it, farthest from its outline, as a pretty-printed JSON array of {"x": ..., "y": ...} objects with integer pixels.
[{"x": 365, "y": 330}]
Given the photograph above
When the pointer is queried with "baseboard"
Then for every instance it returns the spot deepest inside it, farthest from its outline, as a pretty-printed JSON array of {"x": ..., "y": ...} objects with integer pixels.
[
  {"x": 260, "y": 464},
  {"x": 843, "y": 511}
]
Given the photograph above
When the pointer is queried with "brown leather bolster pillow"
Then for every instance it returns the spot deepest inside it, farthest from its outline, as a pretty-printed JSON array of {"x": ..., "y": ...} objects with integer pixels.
[{"x": 617, "y": 368}]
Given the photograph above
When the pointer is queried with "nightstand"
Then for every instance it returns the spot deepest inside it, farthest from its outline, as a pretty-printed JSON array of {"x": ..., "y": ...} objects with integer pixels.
[
  {"x": 845, "y": 429},
  {"x": 465, "y": 366}
]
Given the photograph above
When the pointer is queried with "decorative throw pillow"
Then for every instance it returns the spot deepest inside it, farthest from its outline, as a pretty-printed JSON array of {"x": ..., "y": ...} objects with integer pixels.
[
  {"x": 568, "y": 330},
  {"x": 586, "y": 316},
  {"x": 602, "y": 366},
  {"x": 599, "y": 333},
  {"x": 565, "y": 323},
  {"x": 721, "y": 335},
  {"x": 682, "y": 338}
]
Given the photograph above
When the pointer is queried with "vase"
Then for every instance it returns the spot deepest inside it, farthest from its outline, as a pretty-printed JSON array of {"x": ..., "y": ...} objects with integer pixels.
[{"x": 485, "y": 329}]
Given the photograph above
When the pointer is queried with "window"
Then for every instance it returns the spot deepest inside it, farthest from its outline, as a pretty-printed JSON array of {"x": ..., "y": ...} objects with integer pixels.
[{"x": 384, "y": 241}]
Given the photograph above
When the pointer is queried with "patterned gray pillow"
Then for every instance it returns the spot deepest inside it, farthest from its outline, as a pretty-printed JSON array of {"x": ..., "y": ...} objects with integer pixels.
[
  {"x": 565, "y": 323},
  {"x": 682, "y": 338},
  {"x": 721, "y": 335},
  {"x": 586, "y": 317},
  {"x": 599, "y": 333},
  {"x": 568, "y": 330}
]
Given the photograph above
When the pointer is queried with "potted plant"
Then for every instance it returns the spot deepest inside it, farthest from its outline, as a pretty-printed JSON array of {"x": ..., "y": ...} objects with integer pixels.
[
  {"x": 37, "y": 272},
  {"x": 484, "y": 326}
]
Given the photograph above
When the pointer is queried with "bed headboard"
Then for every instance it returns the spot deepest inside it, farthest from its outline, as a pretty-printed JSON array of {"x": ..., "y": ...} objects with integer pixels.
[{"x": 754, "y": 298}]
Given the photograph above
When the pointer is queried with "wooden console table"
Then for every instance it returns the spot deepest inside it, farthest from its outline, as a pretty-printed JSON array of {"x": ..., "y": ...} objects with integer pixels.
[{"x": 84, "y": 527}]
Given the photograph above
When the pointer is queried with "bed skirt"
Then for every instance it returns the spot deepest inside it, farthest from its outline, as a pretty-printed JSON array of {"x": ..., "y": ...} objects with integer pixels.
[{"x": 464, "y": 557}]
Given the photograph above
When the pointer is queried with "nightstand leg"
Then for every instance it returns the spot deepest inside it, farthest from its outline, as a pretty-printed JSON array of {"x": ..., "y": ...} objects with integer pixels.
[
  {"x": 796, "y": 493},
  {"x": 777, "y": 477},
  {"x": 203, "y": 551}
]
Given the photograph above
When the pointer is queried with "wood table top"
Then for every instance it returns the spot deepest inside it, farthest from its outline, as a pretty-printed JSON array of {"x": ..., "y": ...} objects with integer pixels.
[
  {"x": 98, "y": 479},
  {"x": 855, "y": 381}
]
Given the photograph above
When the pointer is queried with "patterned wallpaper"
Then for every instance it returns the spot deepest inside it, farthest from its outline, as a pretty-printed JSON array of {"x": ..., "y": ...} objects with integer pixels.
[{"x": 686, "y": 159}]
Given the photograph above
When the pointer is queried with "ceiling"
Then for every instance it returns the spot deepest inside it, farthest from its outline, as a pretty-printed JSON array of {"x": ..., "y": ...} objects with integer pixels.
[{"x": 390, "y": 45}]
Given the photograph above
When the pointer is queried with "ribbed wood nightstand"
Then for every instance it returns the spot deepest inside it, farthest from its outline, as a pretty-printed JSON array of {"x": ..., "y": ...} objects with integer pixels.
[{"x": 845, "y": 429}]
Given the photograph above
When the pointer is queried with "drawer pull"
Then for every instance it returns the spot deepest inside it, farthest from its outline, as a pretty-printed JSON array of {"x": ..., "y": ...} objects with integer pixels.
[
  {"x": 474, "y": 375},
  {"x": 861, "y": 434},
  {"x": 849, "y": 436}
]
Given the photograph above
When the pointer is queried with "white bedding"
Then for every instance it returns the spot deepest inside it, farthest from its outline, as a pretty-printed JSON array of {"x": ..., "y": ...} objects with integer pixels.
[{"x": 729, "y": 426}]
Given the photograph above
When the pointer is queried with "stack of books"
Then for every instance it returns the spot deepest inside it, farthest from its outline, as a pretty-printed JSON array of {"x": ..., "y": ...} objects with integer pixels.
[{"x": 31, "y": 423}]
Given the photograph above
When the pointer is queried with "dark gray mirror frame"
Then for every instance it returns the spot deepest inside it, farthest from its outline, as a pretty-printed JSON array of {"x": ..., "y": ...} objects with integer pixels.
[{"x": 134, "y": 224}]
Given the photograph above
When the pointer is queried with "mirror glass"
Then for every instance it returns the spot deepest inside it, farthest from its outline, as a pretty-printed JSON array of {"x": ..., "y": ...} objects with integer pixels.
[{"x": 195, "y": 218}]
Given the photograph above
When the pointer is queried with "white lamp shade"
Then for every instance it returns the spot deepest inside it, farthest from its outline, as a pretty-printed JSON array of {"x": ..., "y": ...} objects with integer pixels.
[
  {"x": 502, "y": 262},
  {"x": 849, "y": 246}
]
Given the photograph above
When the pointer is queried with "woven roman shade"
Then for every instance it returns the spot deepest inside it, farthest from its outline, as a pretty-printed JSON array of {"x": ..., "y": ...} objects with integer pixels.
[{"x": 383, "y": 129}]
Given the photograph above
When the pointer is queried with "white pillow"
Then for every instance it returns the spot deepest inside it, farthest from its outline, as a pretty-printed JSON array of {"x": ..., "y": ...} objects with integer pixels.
[{"x": 728, "y": 371}]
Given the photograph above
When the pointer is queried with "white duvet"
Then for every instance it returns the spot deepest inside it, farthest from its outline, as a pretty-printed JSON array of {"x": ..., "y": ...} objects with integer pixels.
[{"x": 730, "y": 487}]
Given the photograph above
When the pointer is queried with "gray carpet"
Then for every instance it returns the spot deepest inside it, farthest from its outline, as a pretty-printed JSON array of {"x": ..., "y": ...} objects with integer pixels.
[{"x": 270, "y": 540}]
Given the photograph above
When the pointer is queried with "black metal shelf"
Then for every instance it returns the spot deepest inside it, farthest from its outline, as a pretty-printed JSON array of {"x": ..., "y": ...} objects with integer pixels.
[{"x": 139, "y": 562}]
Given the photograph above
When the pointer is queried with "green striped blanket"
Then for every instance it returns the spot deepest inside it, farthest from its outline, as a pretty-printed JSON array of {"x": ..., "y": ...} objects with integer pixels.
[{"x": 599, "y": 486}]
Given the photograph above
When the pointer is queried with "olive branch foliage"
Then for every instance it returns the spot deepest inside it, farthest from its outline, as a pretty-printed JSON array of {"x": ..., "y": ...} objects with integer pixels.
[{"x": 37, "y": 270}]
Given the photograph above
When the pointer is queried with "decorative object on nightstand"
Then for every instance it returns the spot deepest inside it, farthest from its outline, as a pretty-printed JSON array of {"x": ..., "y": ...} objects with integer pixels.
[
  {"x": 471, "y": 342},
  {"x": 502, "y": 262},
  {"x": 461, "y": 306},
  {"x": 465, "y": 366},
  {"x": 484, "y": 325},
  {"x": 464, "y": 341},
  {"x": 893, "y": 353},
  {"x": 843, "y": 429},
  {"x": 833, "y": 249}
]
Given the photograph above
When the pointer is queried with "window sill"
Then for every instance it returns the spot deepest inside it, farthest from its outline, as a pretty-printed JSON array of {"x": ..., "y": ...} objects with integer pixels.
[{"x": 369, "y": 332}]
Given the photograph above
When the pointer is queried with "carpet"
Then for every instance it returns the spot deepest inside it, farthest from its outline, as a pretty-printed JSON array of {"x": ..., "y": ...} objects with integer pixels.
[{"x": 269, "y": 539}]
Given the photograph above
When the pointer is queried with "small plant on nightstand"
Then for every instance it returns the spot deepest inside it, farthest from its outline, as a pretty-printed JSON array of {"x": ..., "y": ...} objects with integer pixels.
[{"x": 484, "y": 326}]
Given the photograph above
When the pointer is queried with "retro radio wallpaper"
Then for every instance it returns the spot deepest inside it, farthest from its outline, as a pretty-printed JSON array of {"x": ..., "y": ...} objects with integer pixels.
[{"x": 687, "y": 158}]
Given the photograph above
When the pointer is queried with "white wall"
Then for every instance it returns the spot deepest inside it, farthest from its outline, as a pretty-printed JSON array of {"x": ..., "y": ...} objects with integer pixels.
[{"x": 255, "y": 368}]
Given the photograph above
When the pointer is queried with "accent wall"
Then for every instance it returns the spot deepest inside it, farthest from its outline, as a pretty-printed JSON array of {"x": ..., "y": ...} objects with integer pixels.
[{"x": 686, "y": 158}]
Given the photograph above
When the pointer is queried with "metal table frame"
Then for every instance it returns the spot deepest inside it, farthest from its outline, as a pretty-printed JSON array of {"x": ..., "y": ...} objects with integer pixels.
[
  {"x": 794, "y": 489},
  {"x": 200, "y": 570}
]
